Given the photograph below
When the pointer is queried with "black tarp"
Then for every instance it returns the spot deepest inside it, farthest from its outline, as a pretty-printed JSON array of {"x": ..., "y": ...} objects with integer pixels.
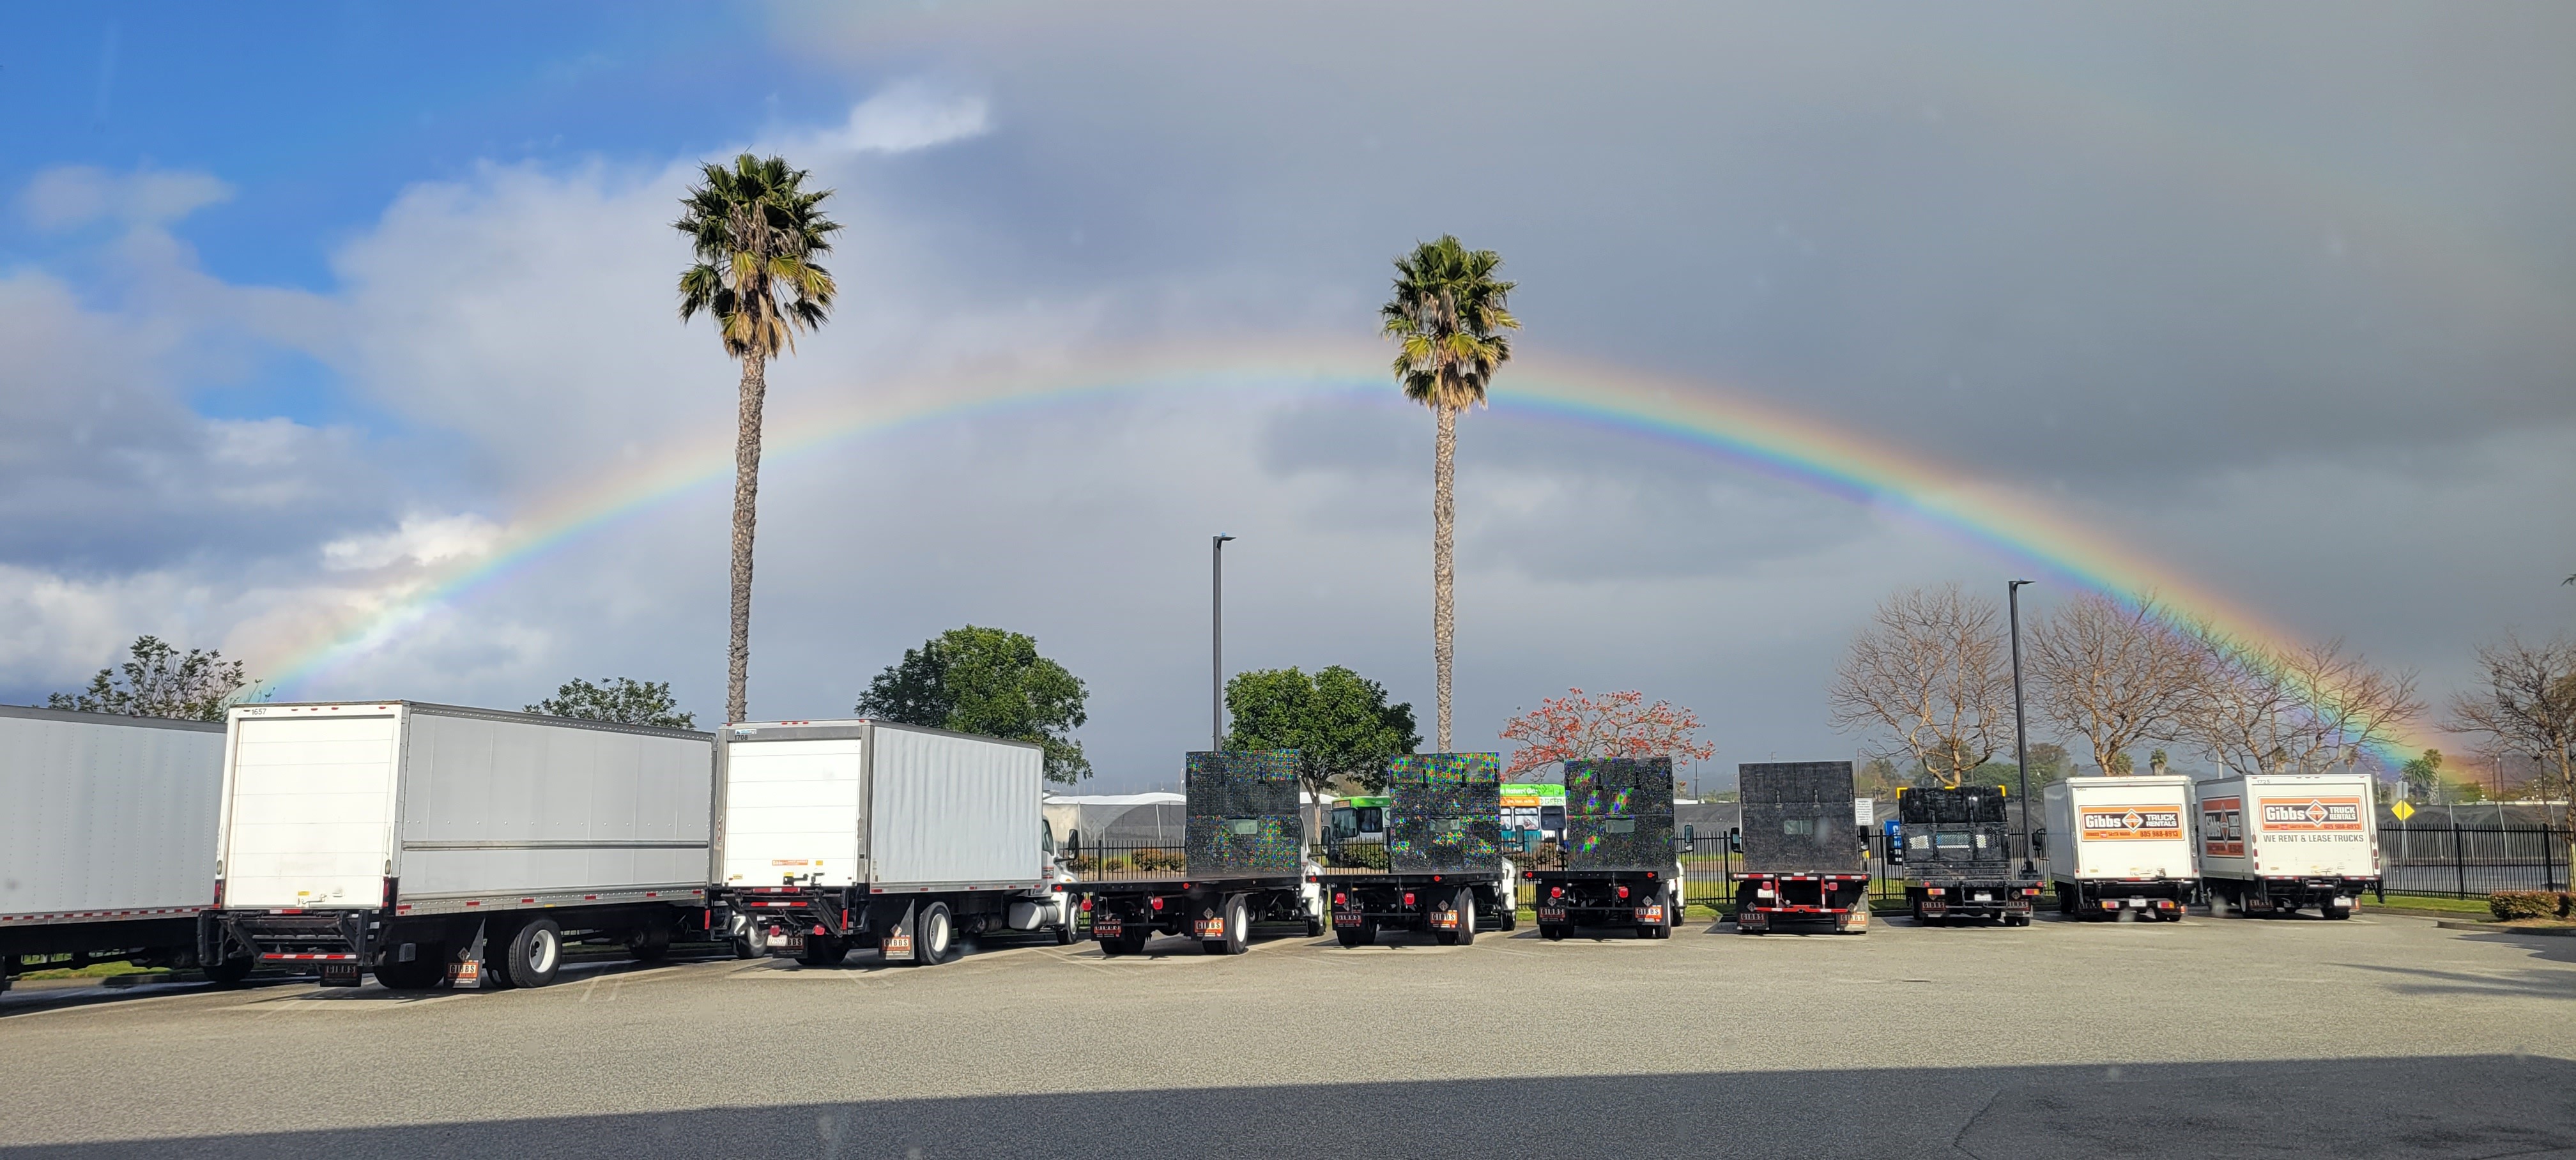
[
  {"x": 1619, "y": 814},
  {"x": 1243, "y": 813},
  {"x": 1798, "y": 818},
  {"x": 1445, "y": 813}
]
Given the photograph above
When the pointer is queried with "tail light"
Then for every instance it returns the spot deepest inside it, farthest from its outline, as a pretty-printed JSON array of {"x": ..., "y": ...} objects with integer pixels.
[
  {"x": 1556, "y": 892},
  {"x": 1156, "y": 903},
  {"x": 1086, "y": 904},
  {"x": 219, "y": 894},
  {"x": 1340, "y": 898},
  {"x": 1623, "y": 892},
  {"x": 1408, "y": 898}
]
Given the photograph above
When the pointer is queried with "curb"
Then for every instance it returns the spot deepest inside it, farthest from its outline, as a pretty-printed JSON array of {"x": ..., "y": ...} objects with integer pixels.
[{"x": 2500, "y": 928}]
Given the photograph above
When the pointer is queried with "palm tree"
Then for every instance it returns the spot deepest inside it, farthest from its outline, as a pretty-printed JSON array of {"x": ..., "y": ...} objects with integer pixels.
[
  {"x": 1448, "y": 316},
  {"x": 756, "y": 231}
]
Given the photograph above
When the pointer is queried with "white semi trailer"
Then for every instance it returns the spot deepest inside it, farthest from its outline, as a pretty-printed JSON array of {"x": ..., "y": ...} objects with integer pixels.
[
  {"x": 2274, "y": 843},
  {"x": 107, "y": 837},
  {"x": 836, "y": 835},
  {"x": 431, "y": 843},
  {"x": 2120, "y": 846}
]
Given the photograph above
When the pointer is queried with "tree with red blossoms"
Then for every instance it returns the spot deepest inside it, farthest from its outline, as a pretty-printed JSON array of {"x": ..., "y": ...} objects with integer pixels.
[{"x": 1578, "y": 727}]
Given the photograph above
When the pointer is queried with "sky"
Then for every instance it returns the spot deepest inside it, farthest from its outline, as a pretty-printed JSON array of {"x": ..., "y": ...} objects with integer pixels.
[{"x": 346, "y": 342}]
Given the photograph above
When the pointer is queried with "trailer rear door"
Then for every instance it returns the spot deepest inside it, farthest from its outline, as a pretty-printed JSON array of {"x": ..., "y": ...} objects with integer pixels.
[
  {"x": 309, "y": 808},
  {"x": 792, "y": 812}
]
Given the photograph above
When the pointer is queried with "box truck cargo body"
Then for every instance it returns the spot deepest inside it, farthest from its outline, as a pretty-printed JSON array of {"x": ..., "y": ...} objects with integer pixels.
[
  {"x": 1441, "y": 868},
  {"x": 107, "y": 836},
  {"x": 1618, "y": 868},
  {"x": 842, "y": 834},
  {"x": 1802, "y": 849},
  {"x": 2274, "y": 843},
  {"x": 1956, "y": 847},
  {"x": 425, "y": 843},
  {"x": 2120, "y": 846},
  {"x": 1245, "y": 862}
]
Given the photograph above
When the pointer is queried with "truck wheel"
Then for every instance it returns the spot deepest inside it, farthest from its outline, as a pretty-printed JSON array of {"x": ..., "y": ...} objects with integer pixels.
[
  {"x": 533, "y": 954},
  {"x": 231, "y": 972},
  {"x": 1355, "y": 936},
  {"x": 1064, "y": 933},
  {"x": 1238, "y": 930},
  {"x": 934, "y": 935},
  {"x": 2330, "y": 910},
  {"x": 1314, "y": 927},
  {"x": 1510, "y": 919},
  {"x": 427, "y": 969},
  {"x": 1466, "y": 917},
  {"x": 1133, "y": 942},
  {"x": 823, "y": 952},
  {"x": 1552, "y": 931}
]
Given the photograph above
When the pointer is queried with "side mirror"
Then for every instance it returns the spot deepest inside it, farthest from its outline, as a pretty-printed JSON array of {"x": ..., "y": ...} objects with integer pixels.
[
  {"x": 1688, "y": 835},
  {"x": 1735, "y": 840},
  {"x": 2039, "y": 843}
]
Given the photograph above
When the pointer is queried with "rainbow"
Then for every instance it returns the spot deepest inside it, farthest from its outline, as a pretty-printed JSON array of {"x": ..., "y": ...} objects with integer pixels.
[{"x": 1788, "y": 445}]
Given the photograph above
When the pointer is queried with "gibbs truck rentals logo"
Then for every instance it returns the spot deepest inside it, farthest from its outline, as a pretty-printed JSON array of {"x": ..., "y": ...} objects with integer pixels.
[
  {"x": 2132, "y": 823},
  {"x": 2312, "y": 815}
]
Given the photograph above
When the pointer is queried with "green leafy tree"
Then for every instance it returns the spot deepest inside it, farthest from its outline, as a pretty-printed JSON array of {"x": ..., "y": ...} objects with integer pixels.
[
  {"x": 1448, "y": 315},
  {"x": 991, "y": 682},
  {"x": 158, "y": 681},
  {"x": 1338, "y": 721},
  {"x": 755, "y": 230},
  {"x": 2049, "y": 762},
  {"x": 624, "y": 700}
]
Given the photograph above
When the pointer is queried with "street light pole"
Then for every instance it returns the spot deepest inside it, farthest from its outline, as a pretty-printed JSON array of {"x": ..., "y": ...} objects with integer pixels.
[
  {"x": 2021, "y": 732},
  {"x": 1216, "y": 666}
]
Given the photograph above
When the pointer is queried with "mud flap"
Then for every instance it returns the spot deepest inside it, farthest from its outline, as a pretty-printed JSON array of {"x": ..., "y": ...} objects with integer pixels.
[
  {"x": 896, "y": 944},
  {"x": 466, "y": 969},
  {"x": 1853, "y": 921}
]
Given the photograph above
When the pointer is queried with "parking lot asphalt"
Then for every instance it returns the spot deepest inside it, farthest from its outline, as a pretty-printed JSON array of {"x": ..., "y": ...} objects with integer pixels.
[{"x": 2381, "y": 1036}]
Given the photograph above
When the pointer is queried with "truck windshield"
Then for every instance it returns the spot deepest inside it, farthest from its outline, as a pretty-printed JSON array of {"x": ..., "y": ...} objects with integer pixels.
[{"x": 1798, "y": 827}]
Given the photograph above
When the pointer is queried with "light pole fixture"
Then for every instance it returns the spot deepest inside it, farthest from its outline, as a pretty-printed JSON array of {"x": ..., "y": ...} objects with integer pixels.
[
  {"x": 2021, "y": 732},
  {"x": 1216, "y": 637}
]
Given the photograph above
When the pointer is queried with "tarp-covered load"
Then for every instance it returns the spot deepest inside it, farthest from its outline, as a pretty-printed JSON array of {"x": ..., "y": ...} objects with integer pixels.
[
  {"x": 1445, "y": 812},
  {"x": 1619, "y": 814},
  {"x": 1243, "y": 813},
  {"x": 1798, "y": 818},
  {"x": 1955, "y": 829}
]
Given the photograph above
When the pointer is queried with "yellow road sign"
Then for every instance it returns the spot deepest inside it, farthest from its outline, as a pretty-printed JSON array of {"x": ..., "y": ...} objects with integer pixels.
[{"x": 2403, "y": 810}]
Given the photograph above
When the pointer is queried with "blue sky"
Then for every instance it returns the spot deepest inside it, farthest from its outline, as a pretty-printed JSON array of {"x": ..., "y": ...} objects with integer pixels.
[{"x": 301, "y": 311}]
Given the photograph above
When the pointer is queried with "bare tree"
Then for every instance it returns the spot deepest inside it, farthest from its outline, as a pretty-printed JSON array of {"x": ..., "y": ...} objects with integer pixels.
[
  {"x": 2295, "y": 708},
  {"x": 2528, "y": 706},
  {"x": 1934, "y": 671},
  {"x": 2114, "y": 674}
]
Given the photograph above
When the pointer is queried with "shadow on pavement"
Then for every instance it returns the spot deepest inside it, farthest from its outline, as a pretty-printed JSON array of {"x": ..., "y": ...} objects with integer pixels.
[{"x": 2349, "y": 1109}]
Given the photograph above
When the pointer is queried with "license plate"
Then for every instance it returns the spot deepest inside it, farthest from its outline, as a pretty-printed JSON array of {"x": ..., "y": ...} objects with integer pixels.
[
  {"x": 1551, "y": 914},
  {"x": 1985, "y": 898},
  {"x": 2137, "y": 904},
  {"x": 1346, "y": 918},
  {"x": 899, "y": 944},
  {"x": 1650, "y": 914},
  {"x": 465, "y": 974},
  {"x": 1098, "y": 930},
  {"x": 1445, "y": 920},
  {"x": 339, "y": 974},
  {"x": 2343, "y": 902},
  {"x": 1210, "y": 927}
]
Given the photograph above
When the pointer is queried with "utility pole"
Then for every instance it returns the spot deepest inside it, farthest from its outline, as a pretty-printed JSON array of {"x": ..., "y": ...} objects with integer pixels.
[
  {"x": 2021, "y": 732},
  {"x": 1216, "y": 667}
]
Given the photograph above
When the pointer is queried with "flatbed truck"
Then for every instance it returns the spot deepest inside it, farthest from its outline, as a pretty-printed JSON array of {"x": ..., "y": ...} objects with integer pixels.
[
  {"x": 1803, "y": 858},
  {"x": 1618, "y": 866},
  {"x": 1245, "y": 863},
  {"x": 1440, "y": 865},
  {"x": 1956, "y": 846},
  {"x": 2277, "y": 843}
]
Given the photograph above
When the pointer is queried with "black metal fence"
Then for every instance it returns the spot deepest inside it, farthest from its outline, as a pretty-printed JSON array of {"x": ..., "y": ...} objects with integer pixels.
[{"x": 2457, "y": 862}]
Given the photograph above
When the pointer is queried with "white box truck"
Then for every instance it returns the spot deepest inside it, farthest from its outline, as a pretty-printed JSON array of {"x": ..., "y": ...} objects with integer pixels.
[
  {"x": 2119, "y": 846},
  {"x": 432, "y": 843},
  {"x": 107, "y": 837},
  {"x": 2275, "y": 843},
  {"x": 834, "y": 835}
]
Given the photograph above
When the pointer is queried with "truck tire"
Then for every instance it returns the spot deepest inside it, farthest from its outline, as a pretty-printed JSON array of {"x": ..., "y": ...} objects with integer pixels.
[
  {"x": 1065, "y": 934},
  {"x": 1356, "y": 936},
  {"x": 1133, "y": 942},
  {"x": 231, "y": 971},
  {"x": 934, "y": 935},
  {"x": 427, "y": 969},
  {"x": 1552, "y": 931},
  {"x": 1238, "y": 930},
  {"x": 2330, "y": 910},
  {"x": 531, "y": 956},
  {"x": 649, "y": 943},
  {"x": 1314, "y": 927},
  {"x": 1466, "y": 917},
  {"x": 820, "y": 951},
  {"x": 1510, "y": 918}
]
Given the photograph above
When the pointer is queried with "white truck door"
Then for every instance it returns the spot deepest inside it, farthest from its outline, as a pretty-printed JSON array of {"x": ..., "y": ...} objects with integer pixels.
[
  {"x": 310, "y": 810},
  {"x": 792, "y": 812}
]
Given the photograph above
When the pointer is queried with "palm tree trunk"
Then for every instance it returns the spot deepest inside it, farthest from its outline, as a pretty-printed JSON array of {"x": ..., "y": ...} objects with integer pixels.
[
  {"x": 1444, "y": 518},
  {"x": 746, "y": 503}
]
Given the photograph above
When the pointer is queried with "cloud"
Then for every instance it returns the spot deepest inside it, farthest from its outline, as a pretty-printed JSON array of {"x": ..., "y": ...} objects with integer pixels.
[
  {"x": 69, "y": 196},
  {"x": 904, "y": 118}
]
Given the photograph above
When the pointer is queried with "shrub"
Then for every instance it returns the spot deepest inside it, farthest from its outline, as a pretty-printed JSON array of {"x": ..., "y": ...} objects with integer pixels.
[
  {"x": 1150, "y": 860},
  {"x": 1365, "y": 855},
  {"x": 2512, "y": 904}
]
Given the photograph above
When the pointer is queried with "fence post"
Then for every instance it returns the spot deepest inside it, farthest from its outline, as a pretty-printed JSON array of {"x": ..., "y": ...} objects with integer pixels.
[{"x": 2459, "y": 864}]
